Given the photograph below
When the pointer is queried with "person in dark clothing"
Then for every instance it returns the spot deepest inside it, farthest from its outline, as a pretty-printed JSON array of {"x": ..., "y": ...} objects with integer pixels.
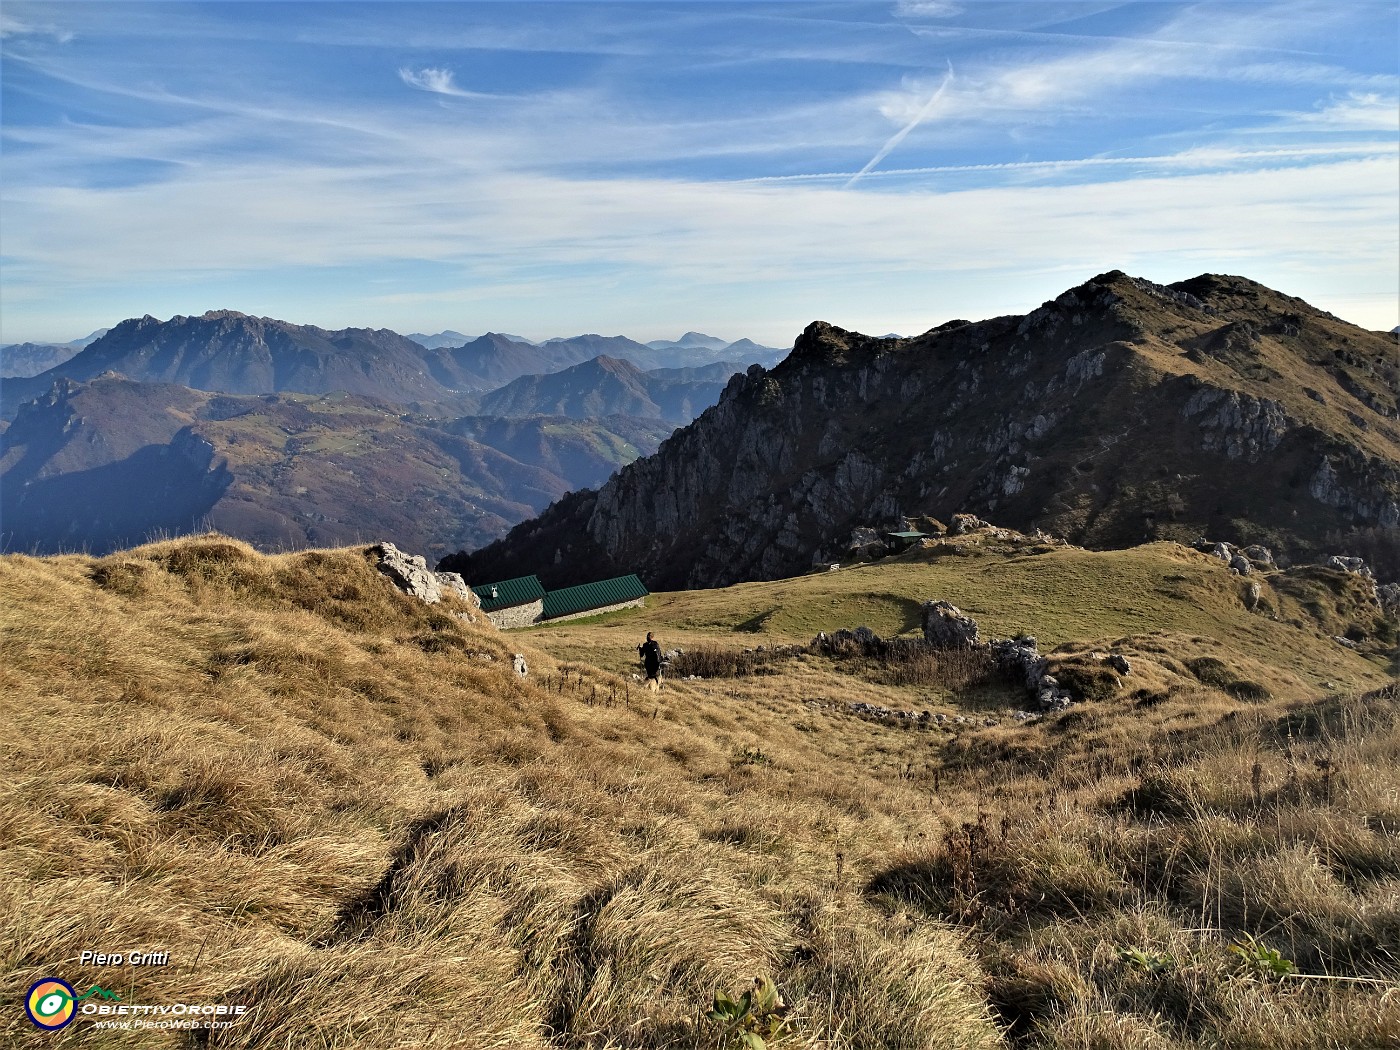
[{"x": 650, "y": 652}]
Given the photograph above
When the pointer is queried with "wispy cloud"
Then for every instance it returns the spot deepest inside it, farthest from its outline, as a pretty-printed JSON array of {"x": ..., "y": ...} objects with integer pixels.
[
  {"x": 1063, "y": 73},
  {"x": 635, "y": 178},
  {"x": 1357, "y": 112},
  {"x": 1199, "y": 159},
  {"x": 927, "y": 9},
  {"x": 439, "y": 82},
  {"x": 903, "y": 133},
  {"x": 12, "y": 27}
]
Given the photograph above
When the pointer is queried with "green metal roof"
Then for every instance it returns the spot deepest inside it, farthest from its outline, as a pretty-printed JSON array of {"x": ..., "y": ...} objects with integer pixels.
[
  {"x": 598, "y": 595},
  {"x": 907, "y": 535},
  {"x": 509, "y": 593}
]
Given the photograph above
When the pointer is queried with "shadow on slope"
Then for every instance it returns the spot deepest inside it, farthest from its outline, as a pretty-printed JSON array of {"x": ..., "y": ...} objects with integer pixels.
[{"x": 157, "y": 489}]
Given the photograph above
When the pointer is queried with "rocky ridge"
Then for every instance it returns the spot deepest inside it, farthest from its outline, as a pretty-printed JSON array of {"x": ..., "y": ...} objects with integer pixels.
[{"x": 1119, "y": 412}]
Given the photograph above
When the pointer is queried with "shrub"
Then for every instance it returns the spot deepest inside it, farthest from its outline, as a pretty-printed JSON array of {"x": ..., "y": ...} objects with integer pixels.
[
  {"x": 1210, "y": 671},
  {"x": 1244, "y": 689},
  {"x": 1086, "y": 681},
  {"x": 713, "y": 661}
]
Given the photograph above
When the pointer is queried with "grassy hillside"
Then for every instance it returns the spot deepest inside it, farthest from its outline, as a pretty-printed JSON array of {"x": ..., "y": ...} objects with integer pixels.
[{"x": 341, "y": 808}]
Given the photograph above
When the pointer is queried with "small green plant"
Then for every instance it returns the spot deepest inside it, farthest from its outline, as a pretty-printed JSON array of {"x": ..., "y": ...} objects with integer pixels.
[
  {"x": 1145, "y": 961},
  {"x": 749, "y": 756},
  {"x": 755, "y": 1019},
  {"x": 1261, "y": 959}
]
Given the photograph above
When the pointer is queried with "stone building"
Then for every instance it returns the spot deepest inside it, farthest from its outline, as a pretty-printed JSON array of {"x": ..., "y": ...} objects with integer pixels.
[{"x": 512, "y": 603}]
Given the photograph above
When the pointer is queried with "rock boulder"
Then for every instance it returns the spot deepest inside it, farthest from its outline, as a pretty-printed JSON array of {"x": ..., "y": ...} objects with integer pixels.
[
  {"x": 946, "y": 627},
  {"x": 410, "y": 574}
]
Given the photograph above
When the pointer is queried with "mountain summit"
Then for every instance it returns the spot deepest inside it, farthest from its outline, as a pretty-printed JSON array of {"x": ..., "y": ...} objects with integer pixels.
[
  {"x": 234, "y": 353},
  {"x": 1120, "y": 411}
]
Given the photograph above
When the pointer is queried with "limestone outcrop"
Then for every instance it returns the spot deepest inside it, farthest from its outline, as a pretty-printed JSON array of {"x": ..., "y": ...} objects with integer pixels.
[
  {"x": 946, "y": 627},
  {"x": 410, "y": 574}
]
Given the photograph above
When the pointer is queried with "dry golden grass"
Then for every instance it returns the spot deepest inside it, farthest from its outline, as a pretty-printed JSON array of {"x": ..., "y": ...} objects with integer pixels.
[
  {"x": 341, "y": 807},
  {"x": 325, "y": 802}
]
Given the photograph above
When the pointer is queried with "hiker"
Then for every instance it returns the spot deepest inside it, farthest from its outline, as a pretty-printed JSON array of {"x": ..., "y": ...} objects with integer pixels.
[{"x": 650, "y": 652}]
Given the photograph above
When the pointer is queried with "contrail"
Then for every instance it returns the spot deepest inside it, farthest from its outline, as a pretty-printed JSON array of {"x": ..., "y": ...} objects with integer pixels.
[{"x": 900, "y": 135}]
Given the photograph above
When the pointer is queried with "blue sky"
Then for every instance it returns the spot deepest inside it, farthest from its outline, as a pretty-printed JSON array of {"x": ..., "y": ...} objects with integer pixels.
[{"x": 641, "y": 168}]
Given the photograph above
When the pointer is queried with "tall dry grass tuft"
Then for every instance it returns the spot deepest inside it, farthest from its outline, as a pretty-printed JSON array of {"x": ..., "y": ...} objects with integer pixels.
[{"x": 1243, "y": 874}]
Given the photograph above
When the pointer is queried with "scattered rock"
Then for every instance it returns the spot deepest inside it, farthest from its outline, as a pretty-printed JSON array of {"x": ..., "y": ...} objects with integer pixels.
[
  {"x": 519, "y": 664},
  {"x": 1357, "y": 566},
  {"x": 1252, "y": 593},
  {"x": 945, "y": 625},
  {"x": 1260, "y": 556},
  {"x": 1347, "y": 642},
  {"x": 865, "y": 544},
  {"x": 1388, "y": 594},
  {"x": 1120, "y": 663},
  {"x": 1020, "y": 656},
  {"x": 1240, "y": 564},
  {"x": 965, "y": 523}
]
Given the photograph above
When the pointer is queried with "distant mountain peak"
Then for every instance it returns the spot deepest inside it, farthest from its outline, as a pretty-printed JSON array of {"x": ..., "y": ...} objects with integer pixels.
[
  {"x": 709, "y": 342},
  {"x": 232, "y": 352}
]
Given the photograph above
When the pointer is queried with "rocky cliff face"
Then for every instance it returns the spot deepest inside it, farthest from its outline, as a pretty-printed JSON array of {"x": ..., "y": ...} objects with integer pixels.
[{"x": 1121, "y": 411}]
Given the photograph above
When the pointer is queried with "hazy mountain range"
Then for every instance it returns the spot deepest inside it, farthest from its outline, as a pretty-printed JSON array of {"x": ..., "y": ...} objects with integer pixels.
[
  {"x": 289, "y": 435},
  {"x": 21, "y": 360},
  {"x": 1119, "y": 412},
  {"x": 232, "y": 352}
]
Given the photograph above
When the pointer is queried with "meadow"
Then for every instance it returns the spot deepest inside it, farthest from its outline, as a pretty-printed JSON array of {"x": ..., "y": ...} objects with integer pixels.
[{"x": 341, "y": 808}]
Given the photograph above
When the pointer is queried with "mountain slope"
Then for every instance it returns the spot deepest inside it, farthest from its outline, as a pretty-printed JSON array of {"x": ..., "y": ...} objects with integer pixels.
[
  {"x": 598, "y": 387},
  {"x": 606, "y": 386},
  {"x": 98, "y": 465},
  {"x": 1119, "y": 412},
  {"x": 231, "y": 352},
  {"x": 492, "y": 360},
  {"x": 352, "y": 816},
  {"x": 436, "y": 342},
  {"x": 23, "y": 360},
  {"x": 691, "y": 340},
  {"x": 695, "y": 349},
  {"x": 586, "y": 452}
]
